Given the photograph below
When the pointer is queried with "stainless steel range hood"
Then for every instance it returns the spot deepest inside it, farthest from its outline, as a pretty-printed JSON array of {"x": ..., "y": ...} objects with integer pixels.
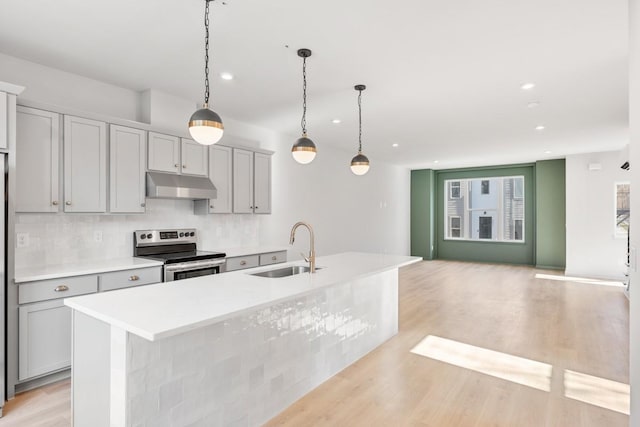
[{"x": 168, "y": 186}]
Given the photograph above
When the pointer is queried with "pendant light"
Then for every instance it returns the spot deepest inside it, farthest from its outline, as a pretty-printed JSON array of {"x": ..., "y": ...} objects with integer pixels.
[
  {"x": 304, "y": 150},
  {"x": 360, "y": 163},
  {"x": 205, "y": 125}
]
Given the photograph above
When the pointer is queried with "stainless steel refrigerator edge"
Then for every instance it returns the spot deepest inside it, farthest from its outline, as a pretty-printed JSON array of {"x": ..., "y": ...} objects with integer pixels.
[{"x": 8, "y": 293}]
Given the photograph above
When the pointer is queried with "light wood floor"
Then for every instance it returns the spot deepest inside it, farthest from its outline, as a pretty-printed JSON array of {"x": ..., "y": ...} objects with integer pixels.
[{"x": 568, "y": 326}]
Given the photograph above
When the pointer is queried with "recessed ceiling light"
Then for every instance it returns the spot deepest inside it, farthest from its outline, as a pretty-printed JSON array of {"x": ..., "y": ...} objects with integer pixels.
[
  {"x": 436, "y": 161},
  {"x": 533, "y": 104},
  {"x": 547, "y": 152},
  {"x": 539, "y": 127},
  {"x": 528, "y": 86},
  {"x": 336, "y": 121},
  {"x": 395, "y": 145},
  {"x": 226, "y": 76}
]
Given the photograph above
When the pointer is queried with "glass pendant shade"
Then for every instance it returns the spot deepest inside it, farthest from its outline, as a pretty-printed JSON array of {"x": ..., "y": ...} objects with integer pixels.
[
  {"x": 360, "y": 164},
  {"x": 304, "y": 150},
  {"x": 205, "y": 126}
]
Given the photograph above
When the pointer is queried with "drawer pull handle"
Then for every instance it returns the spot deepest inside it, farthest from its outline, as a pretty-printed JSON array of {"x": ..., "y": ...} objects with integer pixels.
[
  {"x": 273, "y": 258},
  {"x": 211, "y": 206},
  {"x": 133, "y": 278},
  {"x": 243, "y": 262},
  {"x": 143, "y": 204},
  {"x": 54, "y": 203},
  {"x": 176, "y": 165},
  {"x": 61, "y": 288},
  {"x": 68, "y": 203},
  {"x": 184, "y": 166}
]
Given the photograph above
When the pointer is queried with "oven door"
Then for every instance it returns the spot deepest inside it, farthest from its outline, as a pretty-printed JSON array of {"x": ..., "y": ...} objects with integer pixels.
[{"x": 185, "y": 270}]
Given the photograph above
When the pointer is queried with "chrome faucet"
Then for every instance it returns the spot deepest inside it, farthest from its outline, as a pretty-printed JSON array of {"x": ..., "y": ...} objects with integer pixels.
[{"x": 311, "y": 259}]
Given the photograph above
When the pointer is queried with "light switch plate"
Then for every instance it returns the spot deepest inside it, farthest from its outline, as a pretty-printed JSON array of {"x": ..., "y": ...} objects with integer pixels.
[{"x": 22, "y": 240}]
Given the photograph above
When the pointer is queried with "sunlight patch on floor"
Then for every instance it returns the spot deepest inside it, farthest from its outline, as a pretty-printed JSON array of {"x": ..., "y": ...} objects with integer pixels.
[
  {"x": 579, "y": 280},
  {"x": 597, "y": 391},
  {"x": 500, "y": 365}
]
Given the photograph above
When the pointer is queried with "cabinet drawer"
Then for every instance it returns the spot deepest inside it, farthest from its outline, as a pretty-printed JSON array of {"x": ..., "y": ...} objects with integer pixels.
[
  {"x": 129, "y": 278},
  {"x": 238, "y": 263},
  {"x": 273, "y": 258},
  {"x": 57, "y": 288}
]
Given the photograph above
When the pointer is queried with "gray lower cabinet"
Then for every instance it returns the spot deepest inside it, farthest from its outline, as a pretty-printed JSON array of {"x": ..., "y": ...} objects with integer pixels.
[
  {"x": 44, "y": 322},
  {"x": 44, "y": 338},
  {"x": 255, "y": 260}
]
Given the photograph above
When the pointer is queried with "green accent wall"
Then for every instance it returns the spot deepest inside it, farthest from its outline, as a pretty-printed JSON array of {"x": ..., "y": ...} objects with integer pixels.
[
  {"x": 422, "y": 207},
  {"x": 545, "y": 233},
  {"x": 499, "y": 252},
  {"x": 550, "y": 214}
]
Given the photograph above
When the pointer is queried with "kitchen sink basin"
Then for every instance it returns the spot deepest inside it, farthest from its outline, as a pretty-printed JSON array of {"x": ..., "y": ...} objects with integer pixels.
[{"x": 284, "y": 271}]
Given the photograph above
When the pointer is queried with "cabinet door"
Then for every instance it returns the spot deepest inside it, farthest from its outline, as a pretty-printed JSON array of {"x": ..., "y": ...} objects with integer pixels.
[
  {"x": 37, "y": 160},
  {"x": 4, "y": 119},
  {"x": 164, "y": 153},
  {"x": 44, "y": 338},
  {"x": 85, "y": 165},
  {"x": 220, "y": 167},
  {"x": 262, "y": 183},
  {"x": 242, "y": 181},
  {"x": 127, "y": 169},
  {"x": 195, "y": 158}
]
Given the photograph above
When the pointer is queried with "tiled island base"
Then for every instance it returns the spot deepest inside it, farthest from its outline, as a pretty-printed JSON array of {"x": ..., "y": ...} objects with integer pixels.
[{"x": 240, "y": 371}]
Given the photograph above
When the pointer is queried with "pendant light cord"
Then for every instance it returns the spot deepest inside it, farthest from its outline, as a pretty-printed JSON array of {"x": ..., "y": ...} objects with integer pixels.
[
  {"x": 303, "y": 122},
  {"x": 360, "y": 122},
  {"x": 206, "y": 52}
]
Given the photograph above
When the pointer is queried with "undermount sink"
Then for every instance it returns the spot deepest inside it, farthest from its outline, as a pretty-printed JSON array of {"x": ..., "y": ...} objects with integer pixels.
[{"x": 284, "y": 271}]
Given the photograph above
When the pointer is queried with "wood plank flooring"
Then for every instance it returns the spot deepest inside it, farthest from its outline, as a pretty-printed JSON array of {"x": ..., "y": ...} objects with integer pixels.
[{"x": 567, "y": 338}]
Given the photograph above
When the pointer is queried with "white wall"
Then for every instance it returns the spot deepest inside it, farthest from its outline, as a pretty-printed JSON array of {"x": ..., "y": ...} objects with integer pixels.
[
  {"x": 634, "y": 160},
  {"x": 593, "y": 250},
  {"x": 368, "y": 213}
]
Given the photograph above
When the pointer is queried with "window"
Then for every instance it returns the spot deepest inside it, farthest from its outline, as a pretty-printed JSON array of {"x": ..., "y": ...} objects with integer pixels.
[
  {"x": 490, "y": 208},
  {"x": 454, "y": 189},
  {"x": 622, "y": 209},
  {"x": 454, "y": 227},
  {"x": 484, "y": 186},
  {"x": 517, "y": 229},
  {"x": 518, "y": 188}
]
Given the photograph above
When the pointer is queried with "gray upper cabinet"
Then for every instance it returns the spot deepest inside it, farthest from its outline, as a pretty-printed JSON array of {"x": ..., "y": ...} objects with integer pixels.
[
  {"x": 195, "y": 159},
  {"x": 262, "y": 183},
  {"x": 85, "y": 165},
  {"x": 242, "y": 181},
  {"x": 220, "y": 173},
  {"x": 164, "y": 153},
  {"x": 127, "y": 148},
  {"x": 177, "y": 155},
  {"x": 251, "y": 182},
  {"x": 37, "y": 160},
  {"x": 4, "y": 114}
]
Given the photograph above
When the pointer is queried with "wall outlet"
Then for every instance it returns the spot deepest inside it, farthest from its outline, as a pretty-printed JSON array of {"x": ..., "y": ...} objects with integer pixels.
[
  {"x": 22, "y": 240},
  {"x": 97, "y": 236}
]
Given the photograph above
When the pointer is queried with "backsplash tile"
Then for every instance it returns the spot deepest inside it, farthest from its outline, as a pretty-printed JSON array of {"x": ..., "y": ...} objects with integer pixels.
[{"x": 67, "y": 238}]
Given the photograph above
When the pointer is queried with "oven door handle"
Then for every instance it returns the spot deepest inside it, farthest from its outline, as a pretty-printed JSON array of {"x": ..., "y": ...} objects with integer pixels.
[{"x": 193, "y": 265}]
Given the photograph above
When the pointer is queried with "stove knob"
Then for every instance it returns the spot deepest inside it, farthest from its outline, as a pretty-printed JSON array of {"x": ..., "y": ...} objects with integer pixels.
[
  {"x": 182, "y": 234},
  {"x": 192, "y": 234},
  {"x": 149, "y": 236},
  {"x": 143, "y": 236}
]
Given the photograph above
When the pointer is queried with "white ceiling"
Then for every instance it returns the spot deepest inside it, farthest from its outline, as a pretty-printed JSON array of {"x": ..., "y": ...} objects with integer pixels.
[{"x": 443, "y": 77}]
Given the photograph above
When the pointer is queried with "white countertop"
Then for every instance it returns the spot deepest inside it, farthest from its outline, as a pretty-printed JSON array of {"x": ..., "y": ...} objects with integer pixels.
[
  {"x": 248, "y": 250},
  {"x": 31, "y": 274},
  {"x": 158, "y": 311}
]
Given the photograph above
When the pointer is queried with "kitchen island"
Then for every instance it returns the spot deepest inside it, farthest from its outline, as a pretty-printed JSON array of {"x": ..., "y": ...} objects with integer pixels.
[{"x": 228, "y": 349}]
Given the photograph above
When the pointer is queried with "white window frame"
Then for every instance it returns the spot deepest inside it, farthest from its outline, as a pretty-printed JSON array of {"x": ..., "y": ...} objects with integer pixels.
[
  {"x": 459, "y": 228},
  {"x": 451, "y": 196},
  {"x": 521, "y": 195},
  {"x": 500, "y": 213},
  {"x": 617, "y": 234}
]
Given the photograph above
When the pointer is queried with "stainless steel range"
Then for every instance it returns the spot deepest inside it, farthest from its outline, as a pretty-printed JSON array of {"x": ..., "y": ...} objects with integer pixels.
[{"x": 177, "y": 249}]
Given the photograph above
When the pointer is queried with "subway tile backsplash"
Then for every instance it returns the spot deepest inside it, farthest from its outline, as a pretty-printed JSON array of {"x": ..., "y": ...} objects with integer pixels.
[{"x": 66, "y": 238}]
